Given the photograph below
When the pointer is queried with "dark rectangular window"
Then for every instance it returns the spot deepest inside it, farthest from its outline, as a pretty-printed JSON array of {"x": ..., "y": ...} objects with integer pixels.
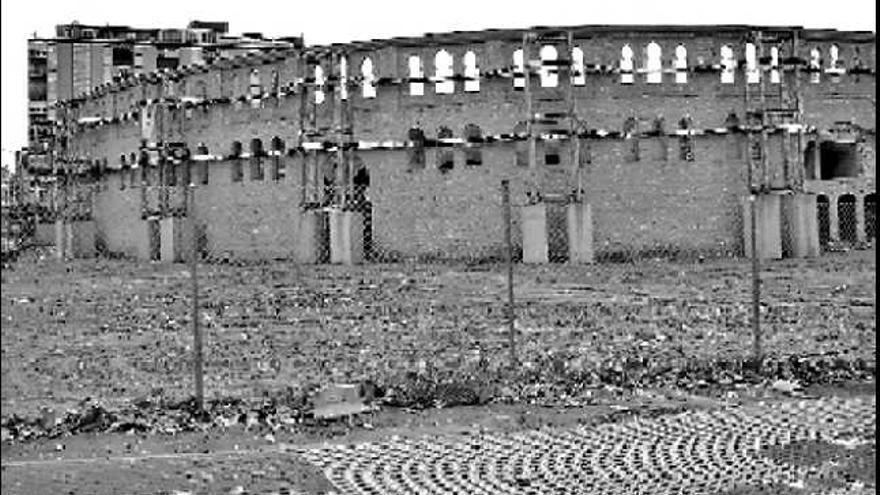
[
  {"x": 257, "y": 172},
  {"x": 552, "y": 158},
  {"x": 203, "y": 172}
]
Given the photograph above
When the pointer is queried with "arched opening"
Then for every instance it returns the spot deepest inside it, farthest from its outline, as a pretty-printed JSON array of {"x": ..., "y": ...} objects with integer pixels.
[
  {"x": 237, "y": 167},
  {"x": 823, "y": 218},
  {"x": 630, "y": 133},
  {"x": 846, "y": 218},
  {"x": 815, "y": 65},
  {"x": 471, "y": 73},
  {"x": 753, "y": 75},
  {"x": 257, "y": 153},
  {"x": 654, "y": 63},
  {"x": 416, "y": 85},
  {"x": 774, "y": 65},
  {"x": 838, "y": 159},
  {"x": 277, "y": 146},
  {"x": 443, "y": 73},
  {"x": 202, "y": 151},
  {"x": 810, "y": 154},
  {"x": 445, "y": 155},
  {"x": 343, "y": 78},
  {"x": 728, "y": 65},
  {"x": 626, "y": 65},
  {"x": 255, "y": 89},
  {"x": 319, "y": 85},
  {"x": 519, "y": 69},
  {"x": 368, "y": 85},
  {"x": 416, "y": 148},
  {"x": 549, "y": 74},
  {"x": 871, "y": 216},
  {"x": 578, "y": 69},
  {"x": 361, "y": 202},
  {"x": 473, "y": 155},
  {"x": 680, "y": 64},
  {"x": 686, "y": 139}
]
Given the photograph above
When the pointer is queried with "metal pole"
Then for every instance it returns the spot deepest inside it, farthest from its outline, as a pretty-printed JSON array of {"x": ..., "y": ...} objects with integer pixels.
[
  {"x": 511, "y": 315},
  {"x": 197, "y": 330}
]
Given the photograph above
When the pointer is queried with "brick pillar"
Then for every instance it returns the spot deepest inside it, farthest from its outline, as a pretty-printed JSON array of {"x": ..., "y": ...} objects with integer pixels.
[
  {"x": 833, "y": 222},
  {"x": 861, "y": 235}
]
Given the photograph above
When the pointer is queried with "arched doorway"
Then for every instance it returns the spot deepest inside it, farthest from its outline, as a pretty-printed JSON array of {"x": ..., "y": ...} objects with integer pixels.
[
  {"x": 361, "y": 202},
  {"x": 846, "y": 218},
  {"x": 871, "y": 216},
  {"x": 824, "y": 220}
]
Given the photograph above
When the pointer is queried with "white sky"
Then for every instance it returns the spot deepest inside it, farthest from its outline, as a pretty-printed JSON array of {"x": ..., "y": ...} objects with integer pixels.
[{"x": 347, "y": 20}]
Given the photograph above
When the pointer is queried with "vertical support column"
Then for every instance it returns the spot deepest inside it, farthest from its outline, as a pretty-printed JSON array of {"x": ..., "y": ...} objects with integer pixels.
[
  {"x": 833, "y": 219},
  {"x": 861, "y": 234}
]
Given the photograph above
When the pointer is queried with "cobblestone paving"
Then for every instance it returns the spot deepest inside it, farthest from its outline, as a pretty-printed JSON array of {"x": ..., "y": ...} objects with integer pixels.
[{"x": 694, "y": 452}]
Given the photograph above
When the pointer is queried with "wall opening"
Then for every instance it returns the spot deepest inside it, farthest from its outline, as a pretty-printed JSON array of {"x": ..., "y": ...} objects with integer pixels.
[
  {"x": 416, "y": 148},
  {"x": 815, "y": 65},
  {"x": 471, "y": 73},
  {"x": 278, "y": 171},
  {"x": 416, "y": 86},
  {"x": 626, "y": 65},
  {"x": 551, "y": 153},
  {"x": 838, "y": 160},
  {"x": 319, "y": 85},
  {"x": 549, "y": 74},
  {"x": 368, "y": 86},
  {"x": 257, "y": 159},
  {"x": 680, "y": 63},
  {"x": 520, "y": 131},
  {"x": 235, "y": 155},
  {"x": 823, "y": 217},
  {"x": 753, "y": 75},
  {"x": 654, "y": 63},
  {"x": 578, "y": 69},
  {"x": 519, "y": 69},
  {"x": 810, "y": 161},
  {"x": 444, "y": 72},
  {"x": 871, "y": 216},
  {"x": 473, "y": 155},
  {"x": 445, "y": 154},
  {"x": 846, "y": 218},
  {"x": 361, "y": 203},
  {"x": 774, "y": 65},
  {"x": 343, "y": 78},
  {"x": 728, "y": 65}
]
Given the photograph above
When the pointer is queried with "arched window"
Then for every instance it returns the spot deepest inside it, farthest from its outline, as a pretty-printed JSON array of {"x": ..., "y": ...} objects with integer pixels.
[
  {"x": 774, "y": 65},
  {"x": 654, "y": 63},
  {"x": 445, "y": 155},
  {"x": 823, "y": 218},
  {"x": 343, "y": 78},
  {"x": 256, "y": 90},
  {"x": 416, "y": 137},
  {"x": 471, "y": 73},
  {"x": 578, "y": 70},
  {"x": 277, "y": 145},
  {"x": 443, "y": 73},
  {"x": 319, "y": 85},
  {"x": 519, "y": 69},
  {"x": 681, "y": 64},
  {"x": 753, "y": 75},
  {"x": 474, "y": 136},
  {"x": 549, "y": 72},
  {"x": 416, "y": 86},
  {"x": 815, "y": 65},
  {"x": 235, "y": 156},
  {"x": 728, "y": 65},
  {"x": 368, "y": 83},
  {"x": 846, "y": 218},
  {"x": 257, "y": 153},
  {"x": 626, "y": 65}
]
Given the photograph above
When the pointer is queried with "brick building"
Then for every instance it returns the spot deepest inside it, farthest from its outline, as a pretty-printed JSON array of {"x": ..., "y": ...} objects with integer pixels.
[{"x": 649, "y": 138}]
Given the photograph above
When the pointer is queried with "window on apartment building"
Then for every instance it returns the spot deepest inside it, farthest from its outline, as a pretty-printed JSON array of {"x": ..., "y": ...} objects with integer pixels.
[
  {"x": 578, "y": 69},
  {"x": 473, "y": 155},
  {"x": 277, "y": 159},
  {"x": 235, "y": 157},
  {"x": 416, "y": 148},
  {"x": 654, "y": 63},
  {"x": 368, "y": 84},
  {"x": 257, "y": 154},
  {"x": 626, "y": 65},
  {"x": 416, "y": 86},
  {"x": 519, "y": 69},
  {"x": 728, "y": 65},
  {"x": 686, "y": 140},
  {"x": 520, "y": 132},
  {"x": 753, "y": 74},
  {"x": 680, "y": 64},
  {"x": 445, "y": 153},
  {"x": 471, "y": 73},
  {"x": 319, "y": 85},
  {"x": 444, "y": 73},
  {"x": 549, "y": 71}
]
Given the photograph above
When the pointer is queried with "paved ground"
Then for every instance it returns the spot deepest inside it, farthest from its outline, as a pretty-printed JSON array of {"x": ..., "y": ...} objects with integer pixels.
[{"x": 806, "y": 446}]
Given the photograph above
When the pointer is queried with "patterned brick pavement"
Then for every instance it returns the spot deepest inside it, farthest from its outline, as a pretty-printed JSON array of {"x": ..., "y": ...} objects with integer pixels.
[{"x": 697, "y": 452}]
